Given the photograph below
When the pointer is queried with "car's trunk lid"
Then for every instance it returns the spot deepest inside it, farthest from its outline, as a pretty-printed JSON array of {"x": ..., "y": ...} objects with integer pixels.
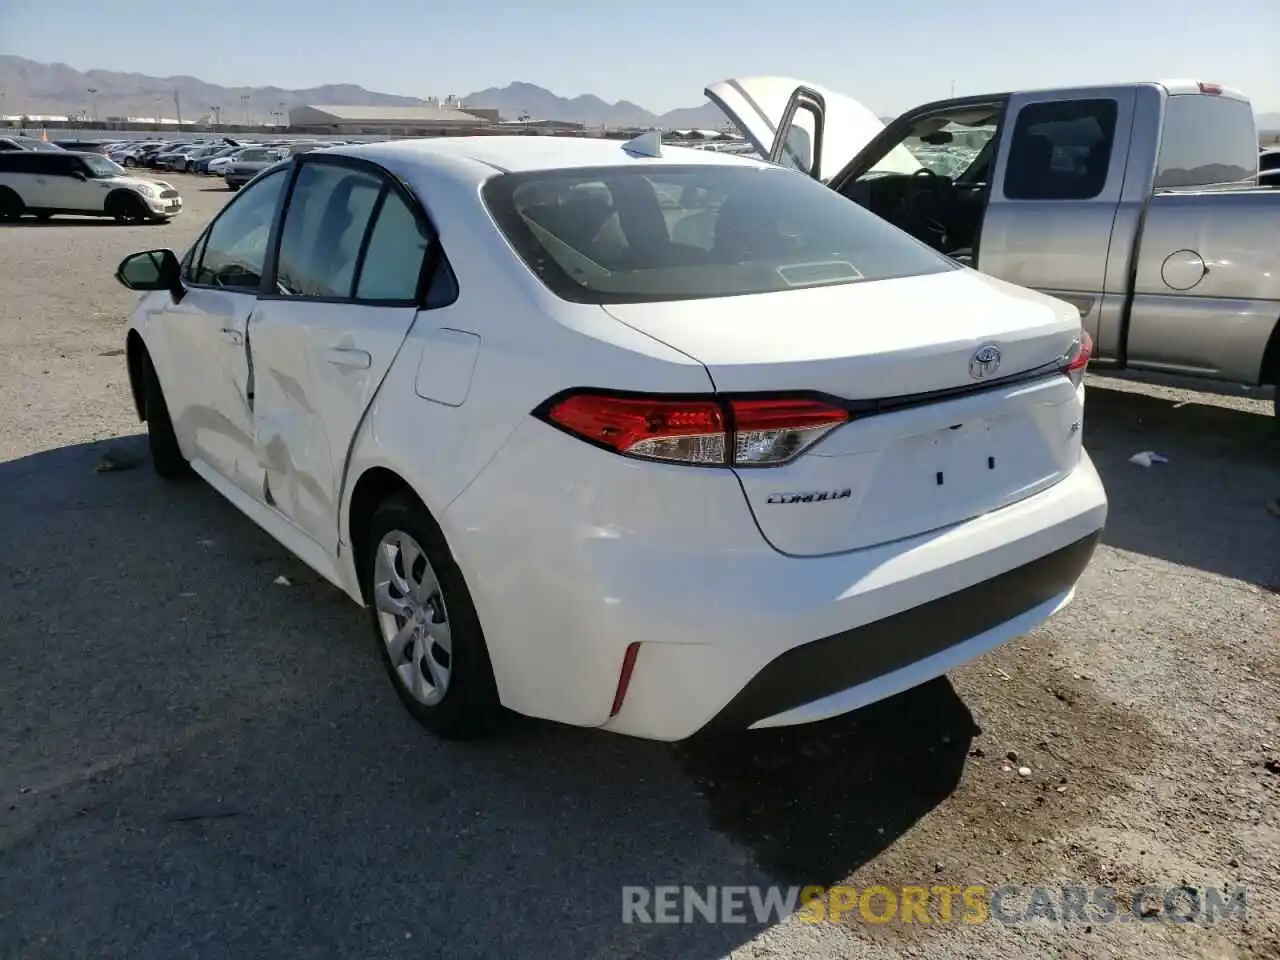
[{"x": 941, "y": 429}]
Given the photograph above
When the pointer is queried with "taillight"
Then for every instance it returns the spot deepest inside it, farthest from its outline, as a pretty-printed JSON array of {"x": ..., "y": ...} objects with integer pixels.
[
  {"x": 710, "y": 431},
  {"x": 1077, "y": 358},
  {"x": 1213, "y": 89}
]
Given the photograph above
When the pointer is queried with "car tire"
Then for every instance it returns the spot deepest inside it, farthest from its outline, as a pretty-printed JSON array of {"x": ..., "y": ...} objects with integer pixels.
[
  {"x": 127, "y": 207},
  {"x": 443, "y": 674},
  {"x": 11, "y": 205},
  {"x": 166, "y": 455}
]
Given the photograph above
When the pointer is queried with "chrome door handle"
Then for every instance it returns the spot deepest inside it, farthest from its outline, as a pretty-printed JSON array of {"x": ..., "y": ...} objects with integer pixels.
[
  {"x": 235, "y": 336},
  {"x": 349, "y": 357}
]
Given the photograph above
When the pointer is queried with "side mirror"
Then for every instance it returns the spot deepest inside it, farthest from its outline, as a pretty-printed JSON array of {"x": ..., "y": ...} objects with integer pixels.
[{"x": 152, "y": 270}]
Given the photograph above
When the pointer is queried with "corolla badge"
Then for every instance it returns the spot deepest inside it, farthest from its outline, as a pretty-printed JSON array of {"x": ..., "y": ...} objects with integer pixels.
[{"x": 985, "y": 362}]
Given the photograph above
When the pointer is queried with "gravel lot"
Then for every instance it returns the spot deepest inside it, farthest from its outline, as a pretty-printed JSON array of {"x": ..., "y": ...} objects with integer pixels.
[{"x": 195, "y": 761}]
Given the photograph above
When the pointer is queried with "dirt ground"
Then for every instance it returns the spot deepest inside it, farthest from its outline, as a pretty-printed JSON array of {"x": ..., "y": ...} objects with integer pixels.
[{"x": 197, "y": 761}]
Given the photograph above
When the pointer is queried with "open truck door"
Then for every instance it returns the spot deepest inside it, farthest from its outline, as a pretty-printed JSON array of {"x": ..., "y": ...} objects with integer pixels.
[{"x": 803, "y": 125}]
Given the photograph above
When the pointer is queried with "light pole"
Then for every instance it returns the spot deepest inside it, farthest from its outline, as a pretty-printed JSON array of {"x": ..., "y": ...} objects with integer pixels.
[
  {"x": 217, "y": 115},
  {"x": 93, "y": 97},
  {"x": 283, "y": 116},
  {"x": 244, "y": 99},
  {"x": 159, "y": 112}
]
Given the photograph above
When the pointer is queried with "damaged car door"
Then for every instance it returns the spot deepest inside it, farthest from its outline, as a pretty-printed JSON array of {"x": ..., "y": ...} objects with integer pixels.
[
  {"x": 203, "y": 336},
  {"x": 342, "y": 300}
]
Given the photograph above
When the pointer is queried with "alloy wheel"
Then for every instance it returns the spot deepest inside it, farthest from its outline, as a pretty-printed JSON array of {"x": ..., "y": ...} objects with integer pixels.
[{"x": 412, "y": 617}]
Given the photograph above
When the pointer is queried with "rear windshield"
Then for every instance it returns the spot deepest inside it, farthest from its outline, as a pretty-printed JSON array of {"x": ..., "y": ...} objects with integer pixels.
[{"x": 650, "y": 233}]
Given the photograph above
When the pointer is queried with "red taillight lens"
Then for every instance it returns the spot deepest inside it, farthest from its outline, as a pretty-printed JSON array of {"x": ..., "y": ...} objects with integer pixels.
[
  {"x": 1211, "y": 88},
  {"x": 1078, "y": 358},
  {"x": 711, "y": 431}
]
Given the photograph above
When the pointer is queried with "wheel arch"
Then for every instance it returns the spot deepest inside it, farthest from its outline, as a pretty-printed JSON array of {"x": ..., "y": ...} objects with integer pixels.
[
  {"x": 119, "y": 197},
  {"x": 374, "y": 486}
]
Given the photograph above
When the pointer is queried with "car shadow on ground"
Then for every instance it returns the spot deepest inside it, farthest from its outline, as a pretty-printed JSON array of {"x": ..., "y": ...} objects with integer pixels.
[
  {"x": 198, "y": 749},
  {"x": 1206, "y": 507},
  {"x": 67, "y": 222}
]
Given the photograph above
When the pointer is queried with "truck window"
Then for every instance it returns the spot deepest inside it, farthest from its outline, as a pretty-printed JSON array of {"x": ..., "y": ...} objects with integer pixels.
[
  {"x": 1207, "y": 140},
  {"x": 1061, "y": 150}
]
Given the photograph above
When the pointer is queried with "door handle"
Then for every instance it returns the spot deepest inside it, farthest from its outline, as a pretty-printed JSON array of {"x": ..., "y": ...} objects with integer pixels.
[
  {"x": 235, "y": 336},
  {"x": 349, "y": 357}
]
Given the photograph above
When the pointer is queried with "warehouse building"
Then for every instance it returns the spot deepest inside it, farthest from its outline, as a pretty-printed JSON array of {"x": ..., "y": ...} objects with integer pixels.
[{"x": 427, "y": 120}]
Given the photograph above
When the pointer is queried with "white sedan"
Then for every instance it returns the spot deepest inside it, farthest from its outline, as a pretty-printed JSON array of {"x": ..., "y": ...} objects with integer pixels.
[{"x": 619, "y": 435}]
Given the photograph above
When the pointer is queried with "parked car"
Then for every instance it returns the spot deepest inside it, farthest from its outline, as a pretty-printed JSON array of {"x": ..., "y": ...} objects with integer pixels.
[
  {"x": 219, "y": 166},
  {"x": 139, "y": 154},
  {"x": 84, "y": 146},
  {"x": 23, "y": 142},
  {"x": 249, "y": 163},
  {"x": 201, "y": 164},
  {"x": 577, "y": 463},
  {"x": 1137, "y": 203},
  {"x": 44, "y": 184}
]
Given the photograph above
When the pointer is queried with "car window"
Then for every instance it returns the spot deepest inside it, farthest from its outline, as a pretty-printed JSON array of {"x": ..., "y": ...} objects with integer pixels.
[
  {"x": 236, "y": 247},
  {"x": 1207, "y": 140},
  {"x": 329, "y": 211},
  {"x": 394, "y": 258},
  {"x": 630, "y": 234},
  {"x": 1061, "y": 150}
]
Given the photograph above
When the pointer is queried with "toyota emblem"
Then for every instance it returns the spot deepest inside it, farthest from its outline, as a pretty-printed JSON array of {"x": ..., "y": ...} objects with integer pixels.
[{"x": 985, "y": 362}]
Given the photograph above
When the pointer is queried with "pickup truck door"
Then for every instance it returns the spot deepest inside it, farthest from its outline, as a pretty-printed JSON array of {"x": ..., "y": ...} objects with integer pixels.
[
  {"x": 1055, "y": 201},
  {"x": 801, "y": 124}
]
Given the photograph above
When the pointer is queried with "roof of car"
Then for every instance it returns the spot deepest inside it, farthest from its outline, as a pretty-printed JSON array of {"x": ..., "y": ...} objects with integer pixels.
[{"x": 523, "y": 153}]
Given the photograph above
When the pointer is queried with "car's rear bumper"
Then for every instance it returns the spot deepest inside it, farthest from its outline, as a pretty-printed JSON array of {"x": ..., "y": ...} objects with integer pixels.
[
  {"x": 730, "y": 634},
  {"x": 827, "y": 677}
]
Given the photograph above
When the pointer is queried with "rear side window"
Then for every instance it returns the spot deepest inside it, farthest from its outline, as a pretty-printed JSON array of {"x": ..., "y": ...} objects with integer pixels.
[
  {"x": 1061, "y": 150},
  {"x": 1207, "y": 140},
  {"x": 395, "y": 255},
  {"x": 654, "y": 232},
  {"x": 329, "y": 211}
]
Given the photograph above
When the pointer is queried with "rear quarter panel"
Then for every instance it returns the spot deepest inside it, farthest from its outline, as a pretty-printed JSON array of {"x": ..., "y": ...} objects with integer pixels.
[{"x": 531, "y": 345}]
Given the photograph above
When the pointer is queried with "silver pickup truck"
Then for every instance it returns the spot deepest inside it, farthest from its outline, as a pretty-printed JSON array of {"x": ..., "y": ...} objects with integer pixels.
[{"x": 1138, "y": 203}]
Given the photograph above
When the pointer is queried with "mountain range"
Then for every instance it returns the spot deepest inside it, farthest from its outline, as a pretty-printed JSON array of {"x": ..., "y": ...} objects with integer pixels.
[
  {"x": 31, "y": 88},
  {"x": 28, "y": 87}
]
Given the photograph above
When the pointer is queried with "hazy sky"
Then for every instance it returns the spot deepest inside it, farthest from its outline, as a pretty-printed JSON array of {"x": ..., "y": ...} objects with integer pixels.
[{"x": 890, "y": 54}]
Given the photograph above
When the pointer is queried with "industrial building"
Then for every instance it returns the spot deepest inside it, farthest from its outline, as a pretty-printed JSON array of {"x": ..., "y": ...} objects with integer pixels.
[{"x": 427, "y": 120}]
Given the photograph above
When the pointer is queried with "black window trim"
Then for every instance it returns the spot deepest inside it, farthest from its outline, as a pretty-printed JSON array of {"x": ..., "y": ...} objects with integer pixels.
[
  {"x": 437, "y": 284},
  {"x": 202, "y": 242},
  {"x": 1117, "y": 109}
]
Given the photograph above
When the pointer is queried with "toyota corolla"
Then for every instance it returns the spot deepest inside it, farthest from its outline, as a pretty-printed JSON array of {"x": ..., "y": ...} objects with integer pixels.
[{"x": 654, "y": 440}]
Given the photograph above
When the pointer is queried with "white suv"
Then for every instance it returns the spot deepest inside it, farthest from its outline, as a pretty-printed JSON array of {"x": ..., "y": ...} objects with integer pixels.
[{"x": 47, "y": 183}]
